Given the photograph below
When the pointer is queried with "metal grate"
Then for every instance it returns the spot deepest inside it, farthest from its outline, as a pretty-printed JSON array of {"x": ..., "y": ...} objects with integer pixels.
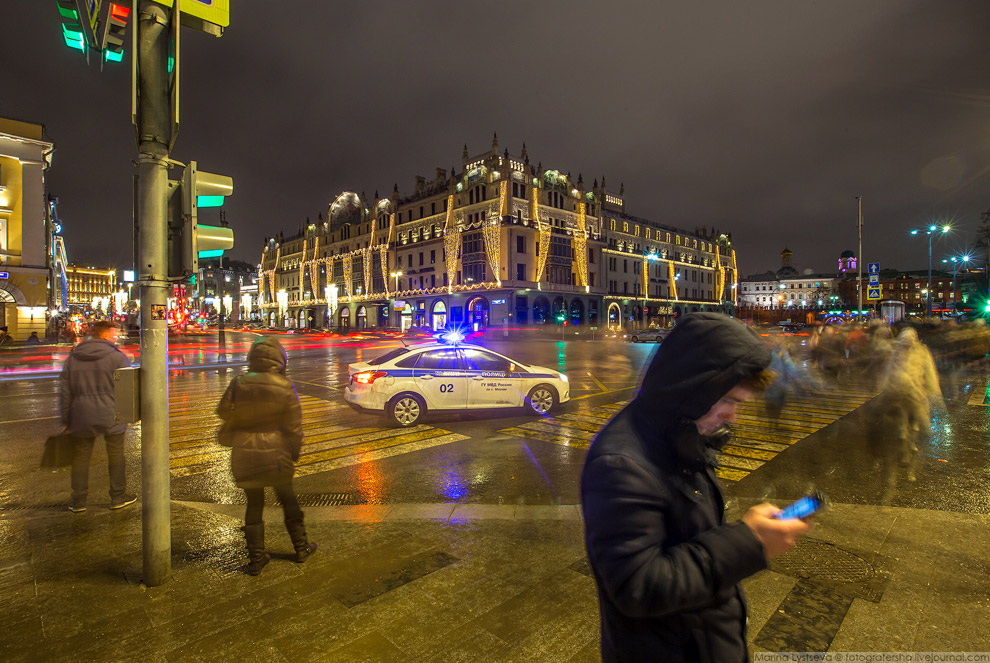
[
  {"x": 818, "y": 560},
  {"x": 321, "y": 499}
]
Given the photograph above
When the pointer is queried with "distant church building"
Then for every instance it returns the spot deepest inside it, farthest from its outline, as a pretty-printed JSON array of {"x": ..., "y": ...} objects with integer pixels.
[
  {"x": 847, "y": 263},
  {"x": 787, "y": 288}
]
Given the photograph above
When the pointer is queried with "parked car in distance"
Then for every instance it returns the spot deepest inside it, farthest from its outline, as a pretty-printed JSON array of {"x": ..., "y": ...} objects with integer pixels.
[{"x": 653, "y": 335}]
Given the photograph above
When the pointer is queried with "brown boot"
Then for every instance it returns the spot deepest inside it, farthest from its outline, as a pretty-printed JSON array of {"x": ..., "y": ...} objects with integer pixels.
[
  {"x": 297, "y": 532},
  {"x": 257, "y": 557}
]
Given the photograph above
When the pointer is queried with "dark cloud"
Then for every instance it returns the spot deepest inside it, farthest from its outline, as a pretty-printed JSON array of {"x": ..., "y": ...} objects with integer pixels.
[{"x": 764, "y": 118}]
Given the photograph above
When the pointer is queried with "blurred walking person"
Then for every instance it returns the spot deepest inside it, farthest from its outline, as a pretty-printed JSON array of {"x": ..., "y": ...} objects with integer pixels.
[
  {"x": 789, "y": 380},
  {"x": 262, "y": 422},
  {"x": 86, "y": 402},
  {"x": 909, "y": 388}
]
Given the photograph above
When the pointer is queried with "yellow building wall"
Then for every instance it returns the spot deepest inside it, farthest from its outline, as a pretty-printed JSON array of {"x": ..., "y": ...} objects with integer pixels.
[{"x": 11, "y": 199}]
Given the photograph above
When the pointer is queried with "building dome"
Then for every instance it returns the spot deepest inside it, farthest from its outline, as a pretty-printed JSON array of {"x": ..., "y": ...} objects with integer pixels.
[
  {"x": 346, "y": 208},
  {"x": 847, "y": 254}
]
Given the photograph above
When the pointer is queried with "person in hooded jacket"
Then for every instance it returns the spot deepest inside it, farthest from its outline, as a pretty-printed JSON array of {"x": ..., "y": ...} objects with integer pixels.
[
  {"x": 86, "y": 403},
  {"x": 262, "y": 422},
  {"x": 666, "y": 563}
]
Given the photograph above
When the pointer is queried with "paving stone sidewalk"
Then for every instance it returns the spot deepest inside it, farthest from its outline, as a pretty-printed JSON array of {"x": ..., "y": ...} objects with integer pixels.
[{"x": 453, "y": 583}]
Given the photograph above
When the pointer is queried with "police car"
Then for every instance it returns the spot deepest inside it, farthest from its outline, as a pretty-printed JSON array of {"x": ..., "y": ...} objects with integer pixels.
[{"x": 449, "y": 375}]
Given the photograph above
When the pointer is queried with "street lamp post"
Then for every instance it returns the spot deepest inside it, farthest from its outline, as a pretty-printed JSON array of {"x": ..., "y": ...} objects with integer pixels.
[
  {"x": 956, "y": 261},
  {"x": 931, "y": 233},
  {"x": 396, "y": 275}
]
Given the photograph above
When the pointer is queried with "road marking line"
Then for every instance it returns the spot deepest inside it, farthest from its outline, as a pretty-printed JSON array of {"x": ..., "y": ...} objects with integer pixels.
[
  {"x": 379, "y": 454},
  {"x": 979, "y": 397},
  {"x": 738, "y": 462},
  {"x": 545, "y": 437},
  {"x": 573, "y": 433},
  {"x": 374, "y": 445},
  {"x": 729, "y": 474},
  {"x": 600, "y": 385},
  {"x": 759, "y": 454},
  {"x": 340, "y": 442},
  {"x": 20, "y": 421}
]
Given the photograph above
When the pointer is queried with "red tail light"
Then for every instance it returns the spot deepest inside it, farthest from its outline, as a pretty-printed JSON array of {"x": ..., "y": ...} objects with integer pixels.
[{"x": 368, "y": 376}]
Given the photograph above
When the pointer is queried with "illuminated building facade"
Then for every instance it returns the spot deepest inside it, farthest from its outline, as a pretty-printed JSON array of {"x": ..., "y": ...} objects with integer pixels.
[
  {"x": 86, "y": 284},
  {"x": 25, "y": 156},
  {"x": 500, "y": 243}
]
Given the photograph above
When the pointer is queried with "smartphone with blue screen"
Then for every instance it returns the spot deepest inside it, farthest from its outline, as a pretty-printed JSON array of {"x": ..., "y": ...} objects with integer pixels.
[{"x": 804, "y": 507}]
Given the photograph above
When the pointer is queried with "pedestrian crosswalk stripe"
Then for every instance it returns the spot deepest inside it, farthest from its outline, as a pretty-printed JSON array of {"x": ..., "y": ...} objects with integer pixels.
[
  {"x": 748, "y": 452},
  {"x": 364, "y": 456},
  {"x": 573, "y": 433},
  {"x": 553, "y": 438},
  {"x": 738, "y": 462},
  {"x": 730, "y": 474}
]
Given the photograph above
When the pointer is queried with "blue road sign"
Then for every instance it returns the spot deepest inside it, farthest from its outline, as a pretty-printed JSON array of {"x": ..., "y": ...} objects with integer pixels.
[
  {"x": 874, "y": 279},
  {"x": 873, "y": 293},
  {"x": 873, "y": 267}
]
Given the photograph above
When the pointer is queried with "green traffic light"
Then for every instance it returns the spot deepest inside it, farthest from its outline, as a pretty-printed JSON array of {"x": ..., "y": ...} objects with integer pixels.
[
  {"x": 209, "y": 201},
  {"x": 111, "y": 56},
  {"x": 73, "y": 39}
]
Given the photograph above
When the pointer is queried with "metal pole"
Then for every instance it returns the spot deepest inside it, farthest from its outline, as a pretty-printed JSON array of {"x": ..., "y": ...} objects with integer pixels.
[
  {"x": 859, "y": 263},
  {"x": 154, "y": 130},
  {"x": 931, "y": 233},
  {"x": 955, "y": 300},
  {"x": 222, "y": 337}
]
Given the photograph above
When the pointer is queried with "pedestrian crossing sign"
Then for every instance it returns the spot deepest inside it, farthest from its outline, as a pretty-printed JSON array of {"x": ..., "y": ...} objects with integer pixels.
[{"x": 873, "y": 293}]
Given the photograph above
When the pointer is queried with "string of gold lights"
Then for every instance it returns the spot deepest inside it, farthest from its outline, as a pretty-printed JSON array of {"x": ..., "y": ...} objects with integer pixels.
[
  {"x": 347, "y": 262},
  {"x": 367, "y": 264},
  {"x": 546, "y": 232},
  {"x": 719, "y": 275},
  {"x": 673, "y": 278},
  {"x": 451, "y": 244},
  {"x": 580, "y": 244},
  {"x": 492, "y": 235}
]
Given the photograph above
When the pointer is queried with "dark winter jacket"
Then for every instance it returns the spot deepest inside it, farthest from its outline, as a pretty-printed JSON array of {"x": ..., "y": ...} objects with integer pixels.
[
  {"x": 86, "y": 391},
  {"x": 262, "y": 419},
  {"x": 666, "y": 563}
]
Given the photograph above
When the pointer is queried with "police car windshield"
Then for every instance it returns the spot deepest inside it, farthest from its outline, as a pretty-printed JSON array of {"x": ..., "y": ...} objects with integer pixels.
[{"x": 388, "y": 356}]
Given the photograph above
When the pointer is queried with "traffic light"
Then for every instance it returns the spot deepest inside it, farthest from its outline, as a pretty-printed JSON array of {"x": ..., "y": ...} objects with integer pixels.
[
  {"x": 113, "y": 32},
  {"x": 74, "y": 28},
  {"x": 188, "y": 241}
]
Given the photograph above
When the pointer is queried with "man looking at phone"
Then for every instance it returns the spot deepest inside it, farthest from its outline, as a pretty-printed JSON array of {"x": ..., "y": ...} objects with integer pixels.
[{"x": 666, "y": 563}]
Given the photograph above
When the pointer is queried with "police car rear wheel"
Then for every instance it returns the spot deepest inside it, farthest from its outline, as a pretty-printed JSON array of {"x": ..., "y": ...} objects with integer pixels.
[
  {"x": 406, "y": 409},
  {"x": 635, "y": 339},
  {"x": 542, "y": 399}
]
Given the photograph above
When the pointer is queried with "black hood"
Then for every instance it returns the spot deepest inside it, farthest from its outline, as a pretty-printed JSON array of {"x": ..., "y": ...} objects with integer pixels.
[
  {"x": 267, "y": 356},
  {"x": 699, "y": 362}
]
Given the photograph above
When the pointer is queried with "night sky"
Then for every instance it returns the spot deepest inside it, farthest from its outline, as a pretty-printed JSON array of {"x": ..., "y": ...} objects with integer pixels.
[{"x": 762, "y": 118}]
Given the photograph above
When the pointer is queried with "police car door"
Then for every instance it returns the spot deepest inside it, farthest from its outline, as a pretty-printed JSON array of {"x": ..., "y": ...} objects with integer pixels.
[
  {"x": 441, "y": 379},
  {"x": 491, "y": 383}
]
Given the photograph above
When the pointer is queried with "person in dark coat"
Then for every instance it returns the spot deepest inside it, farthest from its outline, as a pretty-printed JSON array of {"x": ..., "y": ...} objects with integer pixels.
[
  {"x": 262, "y": 422},
  {"x": 86, "y": 402},
  {"x": 666, "y": 563}
]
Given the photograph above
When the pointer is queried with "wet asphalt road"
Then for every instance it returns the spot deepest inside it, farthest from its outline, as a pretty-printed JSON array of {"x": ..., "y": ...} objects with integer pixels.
[{"x": 505, "y": 457}]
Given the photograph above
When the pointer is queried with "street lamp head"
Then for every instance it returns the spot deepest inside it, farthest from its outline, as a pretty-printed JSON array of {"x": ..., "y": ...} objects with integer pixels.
[
  {"x": 914, "y": 232},
  {"x": 946, "y": 228},
  {"x": 965, "y": 258},
  {"x": 931, "y": 229}
]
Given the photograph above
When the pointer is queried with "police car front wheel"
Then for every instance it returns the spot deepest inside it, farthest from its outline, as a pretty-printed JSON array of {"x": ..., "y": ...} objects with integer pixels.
[
  {"x": 542, "y": 399},
  {"x": 406, "y": 409}
]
